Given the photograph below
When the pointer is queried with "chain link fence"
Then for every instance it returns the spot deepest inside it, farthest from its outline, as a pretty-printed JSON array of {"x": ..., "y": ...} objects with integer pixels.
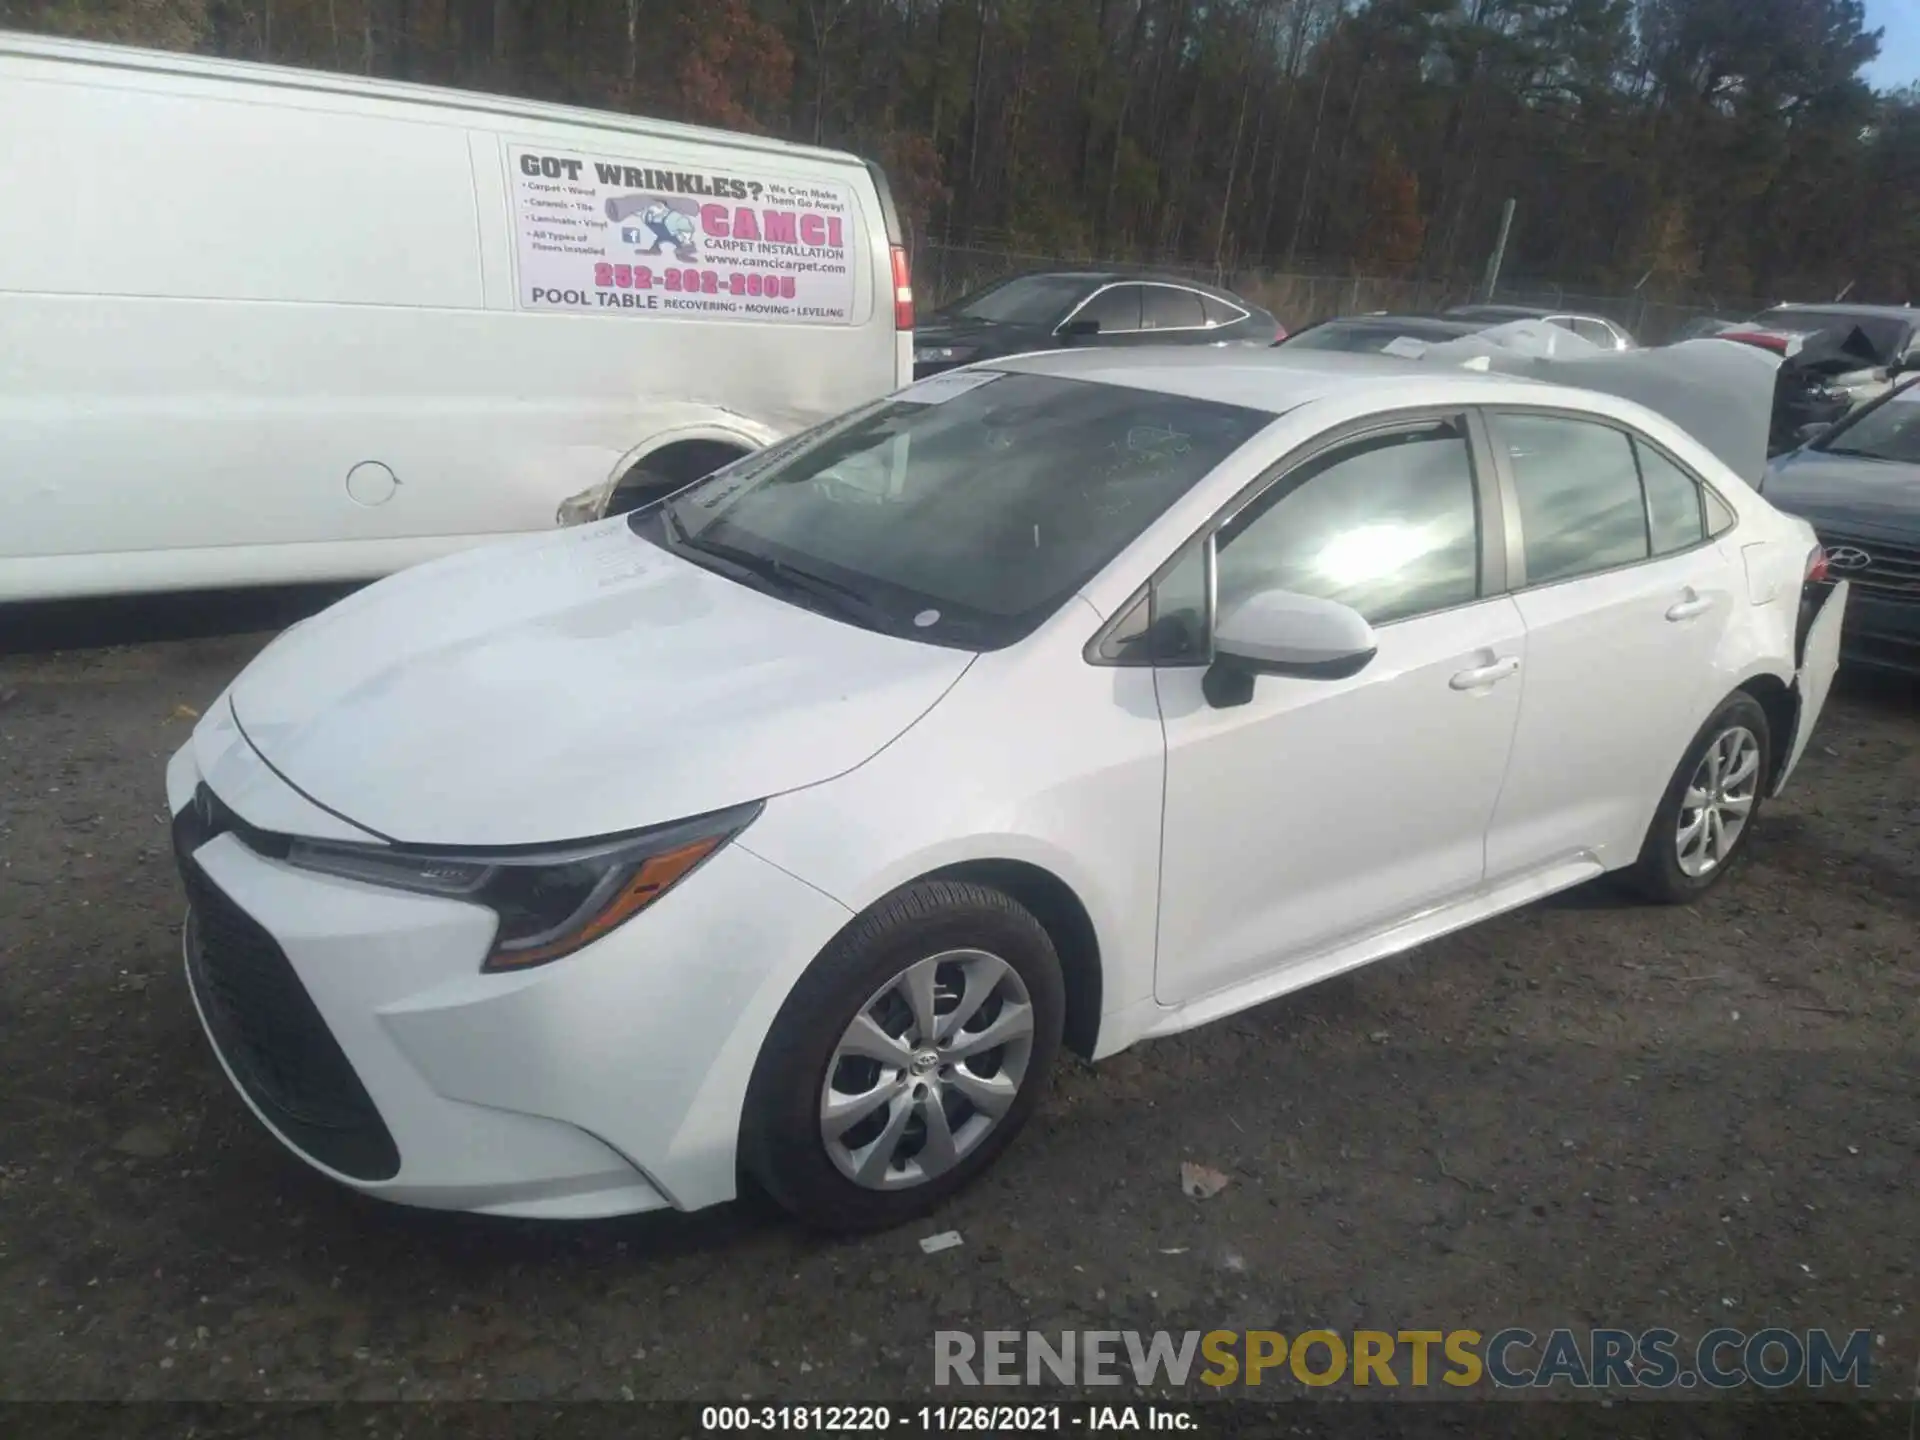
[{"x": 943, "y": 273}]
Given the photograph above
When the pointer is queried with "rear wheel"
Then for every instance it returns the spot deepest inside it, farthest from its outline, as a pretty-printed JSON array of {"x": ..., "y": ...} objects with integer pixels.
[
  {"x": 906, "y": 1059},
  {"x": 1709, "y": 806}
]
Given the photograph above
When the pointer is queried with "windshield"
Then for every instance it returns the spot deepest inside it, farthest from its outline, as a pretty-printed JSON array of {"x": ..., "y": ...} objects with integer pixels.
[
  {"x": 1027, "y": 300},
  {"x": 1887, "y": 432},
  {"x": 962, "y": 513},
  {"x": 1885, "y": 334}
]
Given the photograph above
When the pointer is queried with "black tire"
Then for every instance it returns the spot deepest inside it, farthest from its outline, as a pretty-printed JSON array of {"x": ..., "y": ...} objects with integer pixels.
[
  {"x": 1656, "y": 875},
  {"x": 781, "y": 1145}
]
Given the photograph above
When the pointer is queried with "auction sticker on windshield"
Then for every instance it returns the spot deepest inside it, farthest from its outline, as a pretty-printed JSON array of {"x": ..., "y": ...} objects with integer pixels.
[{"x": 652, "y": 240}]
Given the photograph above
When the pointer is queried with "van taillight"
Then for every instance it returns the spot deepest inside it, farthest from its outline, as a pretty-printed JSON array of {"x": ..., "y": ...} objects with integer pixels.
[
  {"x": 902, "y": 289},
  {"x": 1816, "y": 567}
]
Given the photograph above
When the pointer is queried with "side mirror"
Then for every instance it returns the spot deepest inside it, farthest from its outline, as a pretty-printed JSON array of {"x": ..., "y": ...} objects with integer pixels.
[
  {"x": 1079, "y": 329},
  {"x": 1907, "y": 363},
  {"x": 1276, "y": 632}
]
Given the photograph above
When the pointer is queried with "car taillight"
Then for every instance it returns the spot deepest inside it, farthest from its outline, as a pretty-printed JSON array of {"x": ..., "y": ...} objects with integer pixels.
[
  {"x": 1816, "y": 567},
  {"x": 902, "y": 289}
]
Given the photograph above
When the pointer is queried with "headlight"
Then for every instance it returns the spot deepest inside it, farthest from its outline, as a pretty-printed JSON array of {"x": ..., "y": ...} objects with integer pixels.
[
  {"x": 941, "y": 354},
  {"x": 550, "y": 901}
]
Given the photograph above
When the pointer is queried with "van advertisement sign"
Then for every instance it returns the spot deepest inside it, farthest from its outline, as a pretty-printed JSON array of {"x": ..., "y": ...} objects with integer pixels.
[{"x": 599, "y": 235}]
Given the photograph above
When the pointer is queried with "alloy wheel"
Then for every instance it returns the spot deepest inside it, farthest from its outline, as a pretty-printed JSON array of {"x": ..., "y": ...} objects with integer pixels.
[
  {"x": 1718, "y": 802},
  {"x": 926, "y": 1069}
]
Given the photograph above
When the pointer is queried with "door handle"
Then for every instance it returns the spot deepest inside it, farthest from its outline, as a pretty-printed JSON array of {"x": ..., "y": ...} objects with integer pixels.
[
  {"x": 1486, "y": 674},
  {"x": 1691, "y": 606}
]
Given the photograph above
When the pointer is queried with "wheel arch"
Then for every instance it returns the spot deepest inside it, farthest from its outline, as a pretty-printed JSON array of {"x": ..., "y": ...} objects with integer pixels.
[
  {"x": 1781, "y": 702},
  {"x": 1063, "y": 915},
  {"x": 681, "y": 456}
]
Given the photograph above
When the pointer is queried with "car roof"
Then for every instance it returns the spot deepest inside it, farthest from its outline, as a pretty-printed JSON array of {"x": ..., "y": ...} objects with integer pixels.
[
  {"x": 1529, "y": 311},
  {"x": 1264, "y": 379},
  {"x": 1115, "y": 277},
  {"x": 1864, "y": 312}
]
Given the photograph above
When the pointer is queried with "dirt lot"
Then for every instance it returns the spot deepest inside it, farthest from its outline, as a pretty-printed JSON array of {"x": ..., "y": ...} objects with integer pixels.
[{"x": 1582, "y": 1114}]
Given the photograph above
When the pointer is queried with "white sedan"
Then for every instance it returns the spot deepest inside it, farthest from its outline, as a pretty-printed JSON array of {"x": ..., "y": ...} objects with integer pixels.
[{"x": 785, "y": 831}]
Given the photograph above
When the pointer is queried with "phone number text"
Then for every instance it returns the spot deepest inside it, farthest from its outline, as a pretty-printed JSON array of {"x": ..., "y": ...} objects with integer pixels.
[{"x": 692, "y": 282}]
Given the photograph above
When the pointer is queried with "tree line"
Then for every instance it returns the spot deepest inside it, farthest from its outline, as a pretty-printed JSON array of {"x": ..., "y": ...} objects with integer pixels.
[{"x": 1683, "y": 147}]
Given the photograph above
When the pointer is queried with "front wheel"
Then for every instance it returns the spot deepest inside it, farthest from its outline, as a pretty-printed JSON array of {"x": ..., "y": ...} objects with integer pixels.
[
  {"x": 906, "y": 1059},
  {"x": 1709, "y": 805}
]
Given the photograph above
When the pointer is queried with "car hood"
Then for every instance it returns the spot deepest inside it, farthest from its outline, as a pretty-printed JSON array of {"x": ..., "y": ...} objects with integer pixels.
[
  {"x": 571, "y": 686},
  {"x": 1844, "y": 490}
]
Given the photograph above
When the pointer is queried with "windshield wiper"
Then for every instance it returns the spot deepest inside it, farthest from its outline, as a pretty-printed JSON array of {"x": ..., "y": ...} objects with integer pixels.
[{"x": 846, "y": 600}]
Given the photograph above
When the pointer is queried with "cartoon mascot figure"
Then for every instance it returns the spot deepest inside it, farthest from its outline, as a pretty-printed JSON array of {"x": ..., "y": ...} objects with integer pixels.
[
  {"x": 671, "y": 225},
  {"x": 672, "y": 229}
]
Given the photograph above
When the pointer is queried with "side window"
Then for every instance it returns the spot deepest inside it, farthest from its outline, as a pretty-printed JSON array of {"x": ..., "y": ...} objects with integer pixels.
[
  {"x": 1117, "y": 310},
  {"x": 1579, "y": 493},
  {"x": 1166, "y": 307},
  {"x": 1387, "y": 524},
  {"x": 1220, "y": 312},
  {"x": 1674, "y": 512},
  {"x": 1720, "y": 516},
  {"x": 1178, "y": 627}
]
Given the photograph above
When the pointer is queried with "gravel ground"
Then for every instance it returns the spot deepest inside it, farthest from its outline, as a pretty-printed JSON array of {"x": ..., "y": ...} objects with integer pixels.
[{"x": 1581, "y": 1114}]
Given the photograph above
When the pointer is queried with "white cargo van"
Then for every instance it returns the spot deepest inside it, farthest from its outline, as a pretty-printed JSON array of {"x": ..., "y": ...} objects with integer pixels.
[{"x": 261, "y": 325}]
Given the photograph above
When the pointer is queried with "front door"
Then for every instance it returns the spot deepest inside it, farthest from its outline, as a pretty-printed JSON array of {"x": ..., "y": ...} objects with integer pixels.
[{"x": 1324, "y": 810}]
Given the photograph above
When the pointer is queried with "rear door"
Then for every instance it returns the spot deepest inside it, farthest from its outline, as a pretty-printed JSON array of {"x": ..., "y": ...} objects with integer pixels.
[
  {"x": 1626, "y": 597},
  {"x": 1173, "y": 315}
]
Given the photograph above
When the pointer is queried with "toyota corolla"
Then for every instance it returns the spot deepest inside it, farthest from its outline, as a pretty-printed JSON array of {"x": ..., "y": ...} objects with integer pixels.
[{"x": 785, "y": 831}]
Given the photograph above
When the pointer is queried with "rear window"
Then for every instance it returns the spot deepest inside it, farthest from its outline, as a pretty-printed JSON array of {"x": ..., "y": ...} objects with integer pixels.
[{"x": 1220, "y": 312}]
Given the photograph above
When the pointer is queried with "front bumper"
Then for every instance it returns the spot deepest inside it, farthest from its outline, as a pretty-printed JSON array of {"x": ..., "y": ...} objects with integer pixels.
[{"x": 357, "y": 1025}]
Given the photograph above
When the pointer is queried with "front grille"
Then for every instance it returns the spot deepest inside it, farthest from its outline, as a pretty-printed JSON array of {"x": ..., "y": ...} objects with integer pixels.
[
  {"x": 270, "y": 1032},
  {"x": 1892, "y": 571}
]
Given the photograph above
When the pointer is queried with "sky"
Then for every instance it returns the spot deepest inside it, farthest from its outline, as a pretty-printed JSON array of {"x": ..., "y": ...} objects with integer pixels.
[{"x": 1899, "y": 62}]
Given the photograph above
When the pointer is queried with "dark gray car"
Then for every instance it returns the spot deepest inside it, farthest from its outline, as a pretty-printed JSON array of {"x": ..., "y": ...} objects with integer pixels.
[
  {"x": 1859, "y": 487},
  {"x": 1056, "y": 309}
]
